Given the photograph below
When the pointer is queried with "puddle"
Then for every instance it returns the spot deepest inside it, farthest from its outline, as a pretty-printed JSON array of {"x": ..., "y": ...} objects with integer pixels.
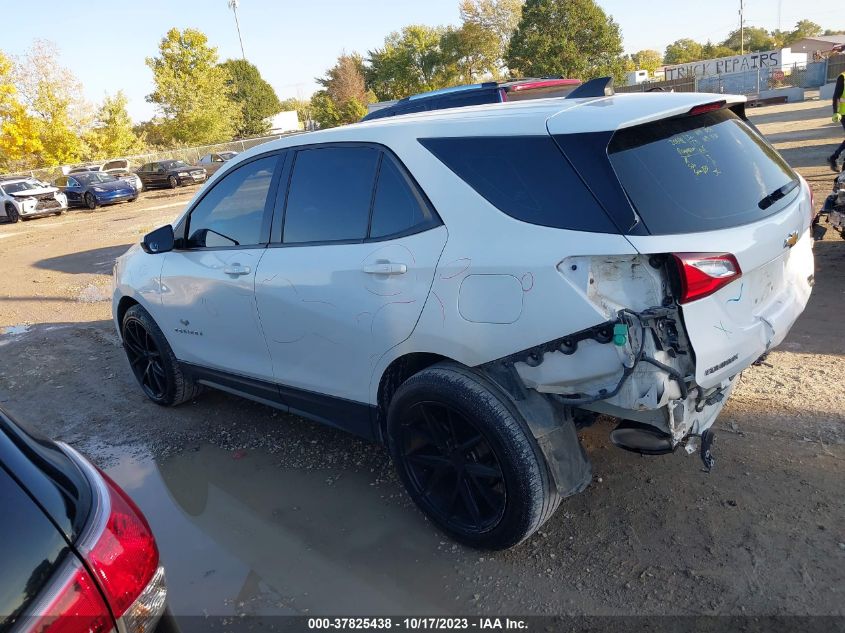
[
  {"x": 14, "y": 330},
  {"x": 240, "y": 534}
]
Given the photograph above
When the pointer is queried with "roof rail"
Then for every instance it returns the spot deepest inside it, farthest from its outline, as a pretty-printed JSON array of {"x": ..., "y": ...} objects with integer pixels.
[{"x": 599, "y": 87}]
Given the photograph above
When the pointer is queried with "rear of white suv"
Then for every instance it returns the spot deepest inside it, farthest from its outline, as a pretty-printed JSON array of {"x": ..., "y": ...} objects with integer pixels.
[{"x": 471, "y": 286}]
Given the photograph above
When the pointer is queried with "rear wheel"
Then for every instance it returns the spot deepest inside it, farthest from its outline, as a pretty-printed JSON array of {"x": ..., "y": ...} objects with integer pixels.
[
  {"x": 153, "y": 362},
  {"x": 173, "y": 182},
  {"x": 467, "y": 458},
  {"x": 90, "y": 200},
  {"x": 12, "y": 213}
]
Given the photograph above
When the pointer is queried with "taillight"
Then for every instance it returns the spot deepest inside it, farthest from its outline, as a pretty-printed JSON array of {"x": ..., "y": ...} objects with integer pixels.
[
  {"x": 707, "y": 107},
  {"x": 73, "y": 604},
  {"x": 702, "y": 274},
  {"x": 122, "y": 555}
]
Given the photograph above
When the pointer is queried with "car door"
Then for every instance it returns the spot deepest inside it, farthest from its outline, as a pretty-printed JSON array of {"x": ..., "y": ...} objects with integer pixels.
[
  {"x": 208, "y": 303},
  {"x": 72, "y": 189},
  {"x": 348, "y": 276}
]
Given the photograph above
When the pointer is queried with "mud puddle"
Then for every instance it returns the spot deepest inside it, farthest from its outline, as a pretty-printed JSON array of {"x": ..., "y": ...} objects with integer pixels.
[{"x": 240, "y": 534}]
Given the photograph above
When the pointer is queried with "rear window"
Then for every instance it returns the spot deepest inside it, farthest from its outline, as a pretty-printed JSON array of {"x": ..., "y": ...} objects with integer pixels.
[
  {"x": 526, "y": 177},
  {"x": 700, "y": 173}
]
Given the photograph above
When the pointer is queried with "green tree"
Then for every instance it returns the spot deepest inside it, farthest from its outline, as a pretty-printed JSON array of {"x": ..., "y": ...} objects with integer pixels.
[
  {"x": 411, "y": 61},
  {"x": 804, "y": 28},
  {"x": 255, "y": 97},
  {"x": 113, "y": 134},
  {"x": 486, "y": 20},
  {"x": 714, "y": 51},
  {"x": 471, "y": 53},
  {"x": 573, "y": 38},
  {"x": 756, "y": 39},
  {"x": 648, "y": 59},
  {"x": 301, "y": 106},
  {"x": 683, "y": 51},
  {"x": 194, "y": 94}
]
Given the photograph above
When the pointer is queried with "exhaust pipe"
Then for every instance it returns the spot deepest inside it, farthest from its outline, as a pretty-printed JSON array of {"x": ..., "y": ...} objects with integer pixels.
[{"x": 641, "y": 438}]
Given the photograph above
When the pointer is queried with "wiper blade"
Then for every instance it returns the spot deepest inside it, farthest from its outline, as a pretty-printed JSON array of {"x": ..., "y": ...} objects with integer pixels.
[{"x": 777, "y": 194}]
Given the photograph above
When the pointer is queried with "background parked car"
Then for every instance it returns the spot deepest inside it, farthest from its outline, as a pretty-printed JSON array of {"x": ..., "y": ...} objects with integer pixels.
[
  {"x": 118, "y": 168},
  {"x": 212, "y": 162},
  {"x": 170, "y": 173},
  {"x": 95, "y": 188},
  {"x": 78, "y": 554},
  {"x": 29, "y": 198},
  {"x": 476, "y": 94}
]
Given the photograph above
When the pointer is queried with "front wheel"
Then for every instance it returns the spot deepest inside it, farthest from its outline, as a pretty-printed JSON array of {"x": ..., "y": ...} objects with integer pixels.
[
  {"x": 12, "y": 213},
  {"x": 467, "y": 458},
  {"x": 90, "y": 200},
  {"x": 153, "y": 362},
  {"x": 173, "y": 182}
]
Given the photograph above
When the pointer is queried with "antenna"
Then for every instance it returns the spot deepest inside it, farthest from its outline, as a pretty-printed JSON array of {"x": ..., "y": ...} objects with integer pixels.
[
  {"x": 742, "y": 27},
  {"x": 233, "y": 5}
]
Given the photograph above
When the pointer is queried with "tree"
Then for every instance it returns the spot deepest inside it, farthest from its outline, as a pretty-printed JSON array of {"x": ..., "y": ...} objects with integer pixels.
[
  {"x": 19, "y": 133},
  {"x": 345, "y": 96},
  {"x": 648, "y": 59},
  {"x": 471, "y": 53},
  {"x": 194, "y": 94},
  {"x": 756, "y": 39},
  {"x": 112, "y": 134},
  {"x": 497, "y": 20},
  {"x": 255, "y": 97},
  {"x": 573, "y": 38},
  {"x": 301, "y": 106},
  {"x": 683, "y": 51},
  {"x": 714, "y": 51},
  {"x": 804, "y": 28},
  {"x": 411, "y": 61},
  {"x": 50, "y": 93}
]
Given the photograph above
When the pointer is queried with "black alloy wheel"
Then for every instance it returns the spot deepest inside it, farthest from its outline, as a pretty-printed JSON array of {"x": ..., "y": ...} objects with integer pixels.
[
  {"x": 90, "y": 200},
  {"x": 452, "y": 468},
  {"x": 145, "y": 359},
  {"x": 173, "y": 182},
  {"x": 12, "y": 213}
]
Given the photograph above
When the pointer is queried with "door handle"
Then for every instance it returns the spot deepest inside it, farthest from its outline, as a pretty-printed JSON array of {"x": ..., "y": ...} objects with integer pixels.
[
  {"x": 236, "y": 269},
  {"x": 385, "y": 268}
]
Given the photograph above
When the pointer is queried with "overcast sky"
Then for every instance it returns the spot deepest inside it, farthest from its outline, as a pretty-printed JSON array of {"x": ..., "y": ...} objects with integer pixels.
[{"x": 105, "y": 42}]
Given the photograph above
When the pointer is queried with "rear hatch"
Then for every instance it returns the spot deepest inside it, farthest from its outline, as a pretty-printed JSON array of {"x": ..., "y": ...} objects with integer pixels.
[{"x": 703, "y": 187}]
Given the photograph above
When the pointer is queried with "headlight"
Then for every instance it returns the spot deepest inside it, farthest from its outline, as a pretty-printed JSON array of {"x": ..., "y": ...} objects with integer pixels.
[
  {"x": 183, "y": 174},
  {"x": 98, "y": 189}
]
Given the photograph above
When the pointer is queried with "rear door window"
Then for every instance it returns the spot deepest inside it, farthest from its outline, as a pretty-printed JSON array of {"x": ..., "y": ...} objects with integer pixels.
[
  {"x": 397, "y": 207},
  {"x": 526, "y": 177},
  {"x": 329, "y": 196},
  {"x": 700, "y": 173}
]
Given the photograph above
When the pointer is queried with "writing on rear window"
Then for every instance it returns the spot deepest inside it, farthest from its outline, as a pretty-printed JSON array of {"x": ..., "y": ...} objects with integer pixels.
[{"x": 693, "y": 149}]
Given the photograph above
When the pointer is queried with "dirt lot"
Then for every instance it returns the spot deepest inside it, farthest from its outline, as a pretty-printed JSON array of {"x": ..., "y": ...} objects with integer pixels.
[{"x": 259, "y": 512}]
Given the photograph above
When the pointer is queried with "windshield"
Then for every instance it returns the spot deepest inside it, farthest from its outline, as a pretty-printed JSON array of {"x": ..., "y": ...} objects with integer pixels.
[
  {"x": 94, "y": 177},
  {"x": 23, "y": 185},
  {"x": 699, "y": 173},
  {"x": 173, "y": 164},
  {"x": 227, "y": 155},
  {"x": 116, "y": 164}
]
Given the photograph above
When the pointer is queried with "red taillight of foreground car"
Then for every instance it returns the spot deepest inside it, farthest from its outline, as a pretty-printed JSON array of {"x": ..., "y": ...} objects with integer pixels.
[
  {"x": 702, "y": 274},
  {"x": 74, "y": 605}
]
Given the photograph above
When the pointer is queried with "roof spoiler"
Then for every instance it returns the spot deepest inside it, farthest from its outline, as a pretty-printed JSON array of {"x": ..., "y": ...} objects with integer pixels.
[{"x": 599, "y": 87}]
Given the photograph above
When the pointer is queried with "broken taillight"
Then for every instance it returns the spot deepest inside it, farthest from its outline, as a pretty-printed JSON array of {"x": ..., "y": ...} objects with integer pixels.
[{"x": 702, "y": 274}]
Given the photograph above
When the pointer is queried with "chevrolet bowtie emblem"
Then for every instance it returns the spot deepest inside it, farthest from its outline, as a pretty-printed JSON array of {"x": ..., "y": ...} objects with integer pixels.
[{"x": 791, "y": 240}]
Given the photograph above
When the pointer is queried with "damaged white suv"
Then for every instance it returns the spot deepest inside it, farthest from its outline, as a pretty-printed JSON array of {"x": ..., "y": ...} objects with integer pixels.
[{"x": 470, "y": 286}]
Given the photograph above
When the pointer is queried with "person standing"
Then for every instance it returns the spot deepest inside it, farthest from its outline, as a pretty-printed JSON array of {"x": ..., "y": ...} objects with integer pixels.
[{"x": 838, "y": 114}]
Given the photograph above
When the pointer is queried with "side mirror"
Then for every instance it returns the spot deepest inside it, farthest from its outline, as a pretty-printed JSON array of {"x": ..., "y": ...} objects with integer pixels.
[{"x": 159, "y": 241}]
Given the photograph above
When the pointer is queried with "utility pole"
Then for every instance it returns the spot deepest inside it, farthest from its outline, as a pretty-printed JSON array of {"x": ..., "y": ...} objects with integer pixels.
[
  {"x": 741, "y": 26},
  {"x": 233, "y": 5}
]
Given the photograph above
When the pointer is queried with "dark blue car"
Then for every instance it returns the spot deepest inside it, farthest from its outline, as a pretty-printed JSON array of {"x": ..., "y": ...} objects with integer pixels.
[{"x": 94, "y": 188}]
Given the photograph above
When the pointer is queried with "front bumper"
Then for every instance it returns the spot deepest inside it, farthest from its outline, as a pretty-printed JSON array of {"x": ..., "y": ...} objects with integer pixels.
[
  {"x": 112, "y": 197},
  {"x": 191, "y": 179}
]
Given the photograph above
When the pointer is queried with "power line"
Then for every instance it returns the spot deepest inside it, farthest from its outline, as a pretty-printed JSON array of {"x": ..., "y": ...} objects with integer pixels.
[{"x": 233, "y": 5}]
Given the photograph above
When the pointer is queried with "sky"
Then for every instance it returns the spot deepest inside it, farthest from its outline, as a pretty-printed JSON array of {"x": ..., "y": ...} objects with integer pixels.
[{"x": 104, "y": 43}]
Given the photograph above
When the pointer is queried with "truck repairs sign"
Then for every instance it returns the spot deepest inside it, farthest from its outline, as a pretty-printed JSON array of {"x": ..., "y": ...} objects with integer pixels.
[{"x": 723, "y": 65}]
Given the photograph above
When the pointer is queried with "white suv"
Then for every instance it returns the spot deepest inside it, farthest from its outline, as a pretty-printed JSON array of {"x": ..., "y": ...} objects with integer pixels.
[{"x": 470, "y": 286}]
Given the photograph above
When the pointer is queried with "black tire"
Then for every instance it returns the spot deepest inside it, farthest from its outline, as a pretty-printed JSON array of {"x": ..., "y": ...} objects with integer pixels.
[
  {"x": 61, "y": 212},
  {"x": 12, "y": 214},
  {"x": 442, "y": 476},
  {"x": 173, "y": 182},
  {"x": 90, "y": 200},
  {"x": 153, "y": 362}
]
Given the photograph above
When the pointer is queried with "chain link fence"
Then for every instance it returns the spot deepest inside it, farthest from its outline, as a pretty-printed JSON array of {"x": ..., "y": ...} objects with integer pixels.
[{"x": 188, "y": 154}]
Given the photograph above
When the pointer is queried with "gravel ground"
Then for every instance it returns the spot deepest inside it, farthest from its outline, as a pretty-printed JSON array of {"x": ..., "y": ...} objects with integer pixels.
[{"x": 257, "y": 511}]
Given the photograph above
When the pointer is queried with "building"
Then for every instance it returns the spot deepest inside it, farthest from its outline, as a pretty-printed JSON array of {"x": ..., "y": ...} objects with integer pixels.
[{"x": 818, "y": 44}]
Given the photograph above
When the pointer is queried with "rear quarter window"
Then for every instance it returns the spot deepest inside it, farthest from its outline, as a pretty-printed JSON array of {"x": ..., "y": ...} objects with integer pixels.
[
  {"x": 526, "y": 177},
  {"x": 700, "y": 173}
]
